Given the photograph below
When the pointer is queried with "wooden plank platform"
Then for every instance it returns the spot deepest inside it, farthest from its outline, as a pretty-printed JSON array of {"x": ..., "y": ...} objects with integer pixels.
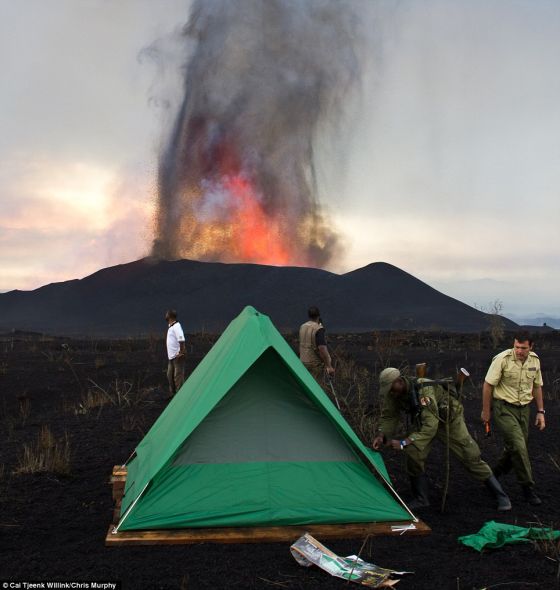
[{"x": 273, "y": 534}]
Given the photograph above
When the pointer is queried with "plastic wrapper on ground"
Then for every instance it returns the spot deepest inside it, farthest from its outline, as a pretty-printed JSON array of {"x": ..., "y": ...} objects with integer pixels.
[{"x": 307, "y": 551}]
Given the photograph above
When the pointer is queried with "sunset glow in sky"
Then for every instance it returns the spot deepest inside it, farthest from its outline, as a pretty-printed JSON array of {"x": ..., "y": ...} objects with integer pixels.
[{"x": 446, "y": 163}]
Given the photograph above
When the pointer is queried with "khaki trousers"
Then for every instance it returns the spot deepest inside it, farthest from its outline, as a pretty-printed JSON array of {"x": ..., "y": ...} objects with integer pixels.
[{"x": 176, "y": 374}]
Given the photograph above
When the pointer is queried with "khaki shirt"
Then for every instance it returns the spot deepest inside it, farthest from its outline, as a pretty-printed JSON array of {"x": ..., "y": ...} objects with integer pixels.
[
  {"x": 308, "y": 351},
  {"x": 514, "y": 381}
]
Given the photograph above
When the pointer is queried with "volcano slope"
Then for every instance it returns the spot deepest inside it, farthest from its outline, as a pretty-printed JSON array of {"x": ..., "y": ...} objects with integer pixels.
[
  {"x": 131, "y": 299},
  {"x": 102, "y": 396}
]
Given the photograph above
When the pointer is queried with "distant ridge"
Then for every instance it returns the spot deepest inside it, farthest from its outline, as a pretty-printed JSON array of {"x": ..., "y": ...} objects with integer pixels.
[{"x": 131, "y": 299}]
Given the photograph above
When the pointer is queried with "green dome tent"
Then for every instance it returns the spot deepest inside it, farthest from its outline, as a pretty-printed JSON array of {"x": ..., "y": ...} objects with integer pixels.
[{"x": 251, "y": 440}]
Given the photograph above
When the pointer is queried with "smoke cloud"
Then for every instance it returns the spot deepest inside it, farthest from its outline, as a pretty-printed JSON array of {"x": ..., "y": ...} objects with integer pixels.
[{"x": 236, "y": 175}]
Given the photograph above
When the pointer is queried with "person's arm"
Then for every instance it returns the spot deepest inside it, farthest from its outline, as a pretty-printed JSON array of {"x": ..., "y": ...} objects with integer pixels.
[
  {"x": 390, "y": 418},
  {"x": 429, "y": 421},
  {"x": 487, "y": 391},
  {"x": 180, "y": 339},
  {"x": 321, "y": 343},
  {"x": 493, "y": 377},
  {"x": 537, "y": 394},
  {"x": 326, "y": 358}
]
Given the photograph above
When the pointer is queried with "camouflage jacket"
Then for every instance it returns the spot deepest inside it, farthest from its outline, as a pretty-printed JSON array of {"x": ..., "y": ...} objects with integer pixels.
[{"x": 424, "y": 407}]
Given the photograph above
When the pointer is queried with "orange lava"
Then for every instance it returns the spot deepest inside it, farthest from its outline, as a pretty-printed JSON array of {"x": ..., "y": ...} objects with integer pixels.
[{"x": 256, "y": 237}]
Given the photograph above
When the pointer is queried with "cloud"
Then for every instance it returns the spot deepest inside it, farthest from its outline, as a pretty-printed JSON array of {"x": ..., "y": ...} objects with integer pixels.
[
  {"x": 64, "y": 220},
  {"x": 451, "y": 154}
]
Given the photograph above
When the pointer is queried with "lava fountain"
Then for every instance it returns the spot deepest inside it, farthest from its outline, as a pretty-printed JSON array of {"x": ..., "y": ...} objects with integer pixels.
[{"x": 236, "y": 179}]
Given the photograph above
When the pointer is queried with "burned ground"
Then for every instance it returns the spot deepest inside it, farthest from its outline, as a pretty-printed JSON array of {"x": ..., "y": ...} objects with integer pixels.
[{"x": 98, "y": 398}]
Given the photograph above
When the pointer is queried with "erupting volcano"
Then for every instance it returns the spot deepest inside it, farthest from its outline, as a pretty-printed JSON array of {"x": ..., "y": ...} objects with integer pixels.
[{"x": 236, "y": 178}]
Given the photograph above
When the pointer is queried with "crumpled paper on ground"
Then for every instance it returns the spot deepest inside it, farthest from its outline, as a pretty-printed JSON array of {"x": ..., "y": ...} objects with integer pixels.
[{"x": 307, "y": 551}]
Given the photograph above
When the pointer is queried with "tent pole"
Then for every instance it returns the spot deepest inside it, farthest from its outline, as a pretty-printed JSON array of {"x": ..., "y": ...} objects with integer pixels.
[
  {"x": 129, "y": 459},
  {"x": 116, "y": 528},
  {"x": 377, "y": 472}
]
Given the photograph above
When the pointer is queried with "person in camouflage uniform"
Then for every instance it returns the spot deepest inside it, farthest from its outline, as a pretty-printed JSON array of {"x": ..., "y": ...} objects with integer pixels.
[{"x": 432, "y": 412}]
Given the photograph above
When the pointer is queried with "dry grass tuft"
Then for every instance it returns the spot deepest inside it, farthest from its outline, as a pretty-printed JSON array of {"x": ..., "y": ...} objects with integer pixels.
[
  {"x": 93, "y": 399},
  {"x": 131, "y": 422},
  {"x": 550, "y": 548},
  {"x": 353, "y": 385},
  {"x": 47, "y": 455},
  {"x": 24, "y": 408},
  {"x": 120, "y": 393},
  {"x": 3, "y": 483}
]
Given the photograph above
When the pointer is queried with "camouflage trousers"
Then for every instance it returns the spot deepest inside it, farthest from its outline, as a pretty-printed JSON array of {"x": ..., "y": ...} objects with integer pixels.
[{"x": 461, "y": 444}]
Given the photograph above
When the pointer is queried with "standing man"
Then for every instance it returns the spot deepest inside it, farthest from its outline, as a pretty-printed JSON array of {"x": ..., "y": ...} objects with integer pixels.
[
  {"x": 313, "y": 350},
  {"x": 513, "y": 380},
  {"x": 432, "y": 412},
  {"x": 175, "y": 352}
]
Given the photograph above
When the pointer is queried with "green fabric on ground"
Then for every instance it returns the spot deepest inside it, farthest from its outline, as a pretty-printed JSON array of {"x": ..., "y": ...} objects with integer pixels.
[{"x": 495, "y": 534}]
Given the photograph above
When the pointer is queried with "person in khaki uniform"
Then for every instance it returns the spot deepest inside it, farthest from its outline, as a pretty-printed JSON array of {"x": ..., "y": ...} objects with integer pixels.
[
  {"x": 513, "y": 380},
  {"x": 313, "y": 350},
  {"x": 433, "y": 412}
]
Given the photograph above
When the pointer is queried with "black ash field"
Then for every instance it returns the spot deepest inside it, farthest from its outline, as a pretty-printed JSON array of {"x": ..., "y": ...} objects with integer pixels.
[{"x": 87, "y": 403}]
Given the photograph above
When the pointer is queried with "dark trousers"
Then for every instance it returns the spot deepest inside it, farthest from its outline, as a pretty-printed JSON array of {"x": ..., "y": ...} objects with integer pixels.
[
  {"x": 176, "y": 374},
  {"x": 513, "y": 424}
]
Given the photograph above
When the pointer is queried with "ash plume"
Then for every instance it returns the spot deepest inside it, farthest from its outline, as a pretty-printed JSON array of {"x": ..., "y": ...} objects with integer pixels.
[{"x": 236, "y": 180}]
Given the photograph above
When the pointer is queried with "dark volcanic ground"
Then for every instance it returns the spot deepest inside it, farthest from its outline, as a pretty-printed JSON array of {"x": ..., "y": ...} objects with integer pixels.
[{"x": 53, "y": 526}]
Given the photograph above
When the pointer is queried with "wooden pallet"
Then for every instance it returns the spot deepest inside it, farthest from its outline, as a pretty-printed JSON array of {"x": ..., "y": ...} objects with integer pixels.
[{"x": 271, "y": 534}]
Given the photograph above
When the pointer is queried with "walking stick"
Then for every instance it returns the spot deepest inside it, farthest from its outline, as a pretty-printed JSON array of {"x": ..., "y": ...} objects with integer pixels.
[{"x": 333, "y": 391}]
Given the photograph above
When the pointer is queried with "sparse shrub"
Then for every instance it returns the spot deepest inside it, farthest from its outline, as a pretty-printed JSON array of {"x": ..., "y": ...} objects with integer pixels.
[
  {"x": 8, "y": 420},
  {"x": 496, "y": 322},
  {"x": 3, "y": 483},
  {"x": 122, "y": 393},
  {"x": 100, "y": 362},
  {"x": 47, "y": 455},
  {"x": 552, "y": 389},
  {"x": 549, "y": 547},
  {"x": 131, "y": 422},
  {"x": 24, "y": 406},
  {"x": 353, "y": 386},
  {"x": 50, "y": 355},
  {"x": 93, "y": 399}
]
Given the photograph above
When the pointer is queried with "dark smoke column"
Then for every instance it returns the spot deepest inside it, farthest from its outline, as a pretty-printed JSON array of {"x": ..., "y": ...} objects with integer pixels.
[{"x": 236, "y": 178}]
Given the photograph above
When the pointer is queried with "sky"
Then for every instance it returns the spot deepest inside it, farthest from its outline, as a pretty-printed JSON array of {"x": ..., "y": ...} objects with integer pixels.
[{"x": 445, "y": 163}]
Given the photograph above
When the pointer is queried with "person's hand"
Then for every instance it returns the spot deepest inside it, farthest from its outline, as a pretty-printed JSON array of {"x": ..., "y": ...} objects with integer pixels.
[
  {"x": 395, "y": 444},
  {"x": 485, "y": 416},
  {"x": 378, "y": 441},
  {"x": 540, "y": 422},
  {"x": 330, "y": 371}
]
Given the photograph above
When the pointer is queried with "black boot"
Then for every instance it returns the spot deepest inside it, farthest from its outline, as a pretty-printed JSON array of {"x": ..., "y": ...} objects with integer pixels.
[
  {"x": 494, "y": 486},
  {"x": 530, "y": 495},
  {"x": 419, "y": 485}
]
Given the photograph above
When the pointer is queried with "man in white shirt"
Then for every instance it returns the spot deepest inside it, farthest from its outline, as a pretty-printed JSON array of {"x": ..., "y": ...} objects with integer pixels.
[{"x": 175, "y": 352}]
